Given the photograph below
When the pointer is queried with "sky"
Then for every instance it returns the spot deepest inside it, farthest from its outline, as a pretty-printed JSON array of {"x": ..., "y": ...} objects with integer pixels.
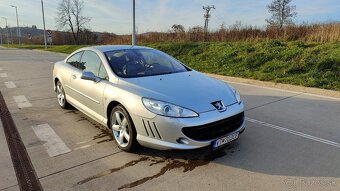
[{"x": 159, "y": 15}]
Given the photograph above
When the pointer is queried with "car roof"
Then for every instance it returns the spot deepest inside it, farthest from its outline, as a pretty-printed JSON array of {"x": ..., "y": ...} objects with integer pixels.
[{"x": 105, "y": 48}]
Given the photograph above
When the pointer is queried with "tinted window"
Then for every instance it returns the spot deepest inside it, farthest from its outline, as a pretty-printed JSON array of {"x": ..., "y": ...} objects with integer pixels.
[
  {"x": 142, "y": 62},
  {"x": 74, "y": 60},
  {"x": 90, "y": 62}
]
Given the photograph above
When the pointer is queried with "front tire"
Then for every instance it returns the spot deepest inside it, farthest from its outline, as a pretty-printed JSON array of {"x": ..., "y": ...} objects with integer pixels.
[
  {"x": 123, "y": 129},
  {"x": 61, "y": 97}
]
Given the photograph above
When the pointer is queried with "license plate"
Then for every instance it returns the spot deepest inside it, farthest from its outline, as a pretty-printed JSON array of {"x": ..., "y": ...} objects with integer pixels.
[{"x": 224, "y": 140}]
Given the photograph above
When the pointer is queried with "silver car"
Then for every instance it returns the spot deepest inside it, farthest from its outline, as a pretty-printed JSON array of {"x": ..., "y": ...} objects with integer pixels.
[{"x": 149, "y": 98}]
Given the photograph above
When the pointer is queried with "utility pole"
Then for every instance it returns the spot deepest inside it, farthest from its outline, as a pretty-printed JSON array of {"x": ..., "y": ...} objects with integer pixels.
[
  {"x": 11, "y": 35},
  {"x": 18, "y": 28},
  {"x": 206, "y": 18},
  {"x": 1, "y": 35},
  {"x": 7, "y": 31},
  {"x": 133, "y": 23},
  {"x": 43, "y": 15}
]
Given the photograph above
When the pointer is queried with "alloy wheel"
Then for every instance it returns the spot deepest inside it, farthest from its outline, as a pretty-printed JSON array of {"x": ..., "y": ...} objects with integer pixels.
[
  {"x": 120, "y": 128},
  {"x": 60, "y": 95}
]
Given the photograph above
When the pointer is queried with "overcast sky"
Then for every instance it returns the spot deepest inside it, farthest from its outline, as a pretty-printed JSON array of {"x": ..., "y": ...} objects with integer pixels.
[{"x": 159, "y": 15}]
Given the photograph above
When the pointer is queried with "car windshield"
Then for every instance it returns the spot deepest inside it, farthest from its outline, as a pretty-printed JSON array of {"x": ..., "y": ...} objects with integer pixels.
[{"x": 131, "y": 63}]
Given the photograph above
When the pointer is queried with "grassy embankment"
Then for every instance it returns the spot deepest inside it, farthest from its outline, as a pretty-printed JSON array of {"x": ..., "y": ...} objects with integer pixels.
[
  {"x": 295, "y": 62},
  {"x": 58, "y": 48}
]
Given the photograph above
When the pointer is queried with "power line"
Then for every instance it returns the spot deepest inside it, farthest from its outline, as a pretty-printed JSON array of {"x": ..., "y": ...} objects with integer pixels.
[{"x": 206, "y": 18}]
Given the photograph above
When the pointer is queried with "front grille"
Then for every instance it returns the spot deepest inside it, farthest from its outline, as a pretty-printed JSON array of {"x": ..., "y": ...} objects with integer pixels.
[{"x": 215, "y": 129}]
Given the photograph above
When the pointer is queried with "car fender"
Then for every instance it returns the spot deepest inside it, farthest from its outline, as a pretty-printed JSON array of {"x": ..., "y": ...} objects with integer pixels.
[{"x": 131, "y": 102}]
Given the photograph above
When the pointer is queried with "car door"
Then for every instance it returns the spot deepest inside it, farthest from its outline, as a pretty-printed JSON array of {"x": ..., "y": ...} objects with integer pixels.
[
  {"x": 73, "y": 66},
  {"x": 90, "y": 93}
]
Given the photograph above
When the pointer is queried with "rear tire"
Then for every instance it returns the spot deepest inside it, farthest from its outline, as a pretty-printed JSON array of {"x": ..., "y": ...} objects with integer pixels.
[
  {"x": 123, "y": 129},
  {"x": 61, "y": 96}
]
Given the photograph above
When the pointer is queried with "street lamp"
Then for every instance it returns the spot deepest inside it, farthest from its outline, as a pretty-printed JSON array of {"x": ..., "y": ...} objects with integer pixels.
[
  {"x": 134, "y": 24},
  {"x": 7, "y": 31},
  {"x": 43, "y": 15},
  {"x": 1, "y": 35},
  {"x": 18, "y": 28}
]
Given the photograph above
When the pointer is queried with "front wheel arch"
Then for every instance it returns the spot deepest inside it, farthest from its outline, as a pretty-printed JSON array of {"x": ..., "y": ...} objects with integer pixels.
[
  {"x": 109, "y": 108},
  {"x": 56, "y": 80}
]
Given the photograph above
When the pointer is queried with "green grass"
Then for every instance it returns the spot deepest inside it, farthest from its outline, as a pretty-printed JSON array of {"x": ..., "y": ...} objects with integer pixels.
[
  {"x": 298, "y": 63},
  {"x": 54, "y": 48}
]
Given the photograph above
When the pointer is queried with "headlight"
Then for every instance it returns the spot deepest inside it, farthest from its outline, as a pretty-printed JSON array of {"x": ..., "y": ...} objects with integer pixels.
[
  {"x": 167, "y": 109},
  {"x": 237, "y": 95}
]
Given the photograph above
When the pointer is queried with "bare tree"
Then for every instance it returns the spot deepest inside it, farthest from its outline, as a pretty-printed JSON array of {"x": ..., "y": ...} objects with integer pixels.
[
  {"x": 177, "y": 29},
  {"x": 282, "y": 13},
  {"x": 69, "y": 17}
]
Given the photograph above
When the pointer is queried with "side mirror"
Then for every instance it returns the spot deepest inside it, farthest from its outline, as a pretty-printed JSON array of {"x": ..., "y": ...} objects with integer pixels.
[{"x": 90, "y": 76}]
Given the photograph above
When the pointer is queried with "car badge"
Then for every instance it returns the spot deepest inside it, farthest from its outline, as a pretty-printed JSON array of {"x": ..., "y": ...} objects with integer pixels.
[{"x": 219, "y": 105}]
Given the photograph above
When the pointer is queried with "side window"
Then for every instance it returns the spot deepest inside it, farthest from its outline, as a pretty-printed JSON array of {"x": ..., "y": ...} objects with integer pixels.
[
  {"x": 91, "y": 62},
  {"x": 74, "y": 60},
  {"x": 102, "y": 73}
]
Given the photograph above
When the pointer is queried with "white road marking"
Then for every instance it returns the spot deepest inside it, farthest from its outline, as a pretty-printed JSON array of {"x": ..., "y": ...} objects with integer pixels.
[
  {"x": 10, "y": 85},
  {"x": 22, "y": 101},
  {"x": 328, "y": 142},
  {"x": 3, "y": 75},
  {"x": 282, "y": 90},
  {"x": 82, "y": 147},
  {"x": 54, "y": 145},
  {"x": 82, "y": 142}
]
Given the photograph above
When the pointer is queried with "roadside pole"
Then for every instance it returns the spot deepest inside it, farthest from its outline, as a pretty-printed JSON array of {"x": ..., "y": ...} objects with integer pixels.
[
  {"x": 1, "y": 35},
  {"x": 18, "y": 28},
  {"x": 133, "y": 23},
  {"x": 43, "y": 15},
  {"x": 7, "y": 31}
]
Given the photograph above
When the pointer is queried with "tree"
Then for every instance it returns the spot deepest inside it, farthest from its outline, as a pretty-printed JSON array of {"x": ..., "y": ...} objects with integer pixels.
[
  {"x": 69, "y": 17},
  {"x": 177, "y": 29},
  {"x": 282, "y": 13}
]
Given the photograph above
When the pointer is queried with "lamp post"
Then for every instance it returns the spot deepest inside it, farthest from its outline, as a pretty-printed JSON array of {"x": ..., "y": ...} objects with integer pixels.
[
  {"x": 18, "y": 28},
  {"x": 1, "y": 35},
  {"x": 43, "y": 14},
  {"x": 7, "y": 31},
  {"x": 134, "y": 24}
]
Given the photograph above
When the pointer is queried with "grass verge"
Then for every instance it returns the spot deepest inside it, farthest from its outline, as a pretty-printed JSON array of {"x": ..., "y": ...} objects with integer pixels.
[
  {"x": 298, "y": 63},
  {"x": 54, "y": 48}
]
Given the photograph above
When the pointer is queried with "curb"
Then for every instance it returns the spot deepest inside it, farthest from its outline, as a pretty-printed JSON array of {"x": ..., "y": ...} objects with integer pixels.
[
  {"x": 46, "y": 51},
  {"x": 294, "y": 88}
]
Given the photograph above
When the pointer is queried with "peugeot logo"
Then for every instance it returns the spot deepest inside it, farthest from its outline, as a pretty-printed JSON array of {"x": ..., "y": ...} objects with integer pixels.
[{"x": 219, "y": 105}]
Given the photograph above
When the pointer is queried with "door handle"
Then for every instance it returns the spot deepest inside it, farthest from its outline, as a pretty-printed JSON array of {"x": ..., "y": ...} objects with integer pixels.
[{"x": 74, "y": 76}]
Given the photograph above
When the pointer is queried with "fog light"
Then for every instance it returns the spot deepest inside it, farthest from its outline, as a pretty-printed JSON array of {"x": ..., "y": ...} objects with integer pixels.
[{"x": 182, "y": 140}]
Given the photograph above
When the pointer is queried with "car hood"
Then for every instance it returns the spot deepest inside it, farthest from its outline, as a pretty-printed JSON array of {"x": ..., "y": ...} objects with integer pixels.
[{"x": 191, "y": 90}]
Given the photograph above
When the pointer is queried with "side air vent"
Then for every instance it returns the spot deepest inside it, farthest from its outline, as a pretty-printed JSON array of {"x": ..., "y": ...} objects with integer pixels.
[{"x": 151, "y": 129}]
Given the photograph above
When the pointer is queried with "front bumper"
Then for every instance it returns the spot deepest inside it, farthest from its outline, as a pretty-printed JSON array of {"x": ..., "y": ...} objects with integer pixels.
[{"x": 164, "y": 132}]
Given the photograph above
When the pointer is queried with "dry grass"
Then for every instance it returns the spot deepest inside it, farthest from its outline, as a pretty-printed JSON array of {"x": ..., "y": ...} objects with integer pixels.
[{"x": 306, "y": 32}]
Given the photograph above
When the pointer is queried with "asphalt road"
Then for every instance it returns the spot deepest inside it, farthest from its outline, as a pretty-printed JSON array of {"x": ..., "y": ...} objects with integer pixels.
[{"x": 292, "y": 142}]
